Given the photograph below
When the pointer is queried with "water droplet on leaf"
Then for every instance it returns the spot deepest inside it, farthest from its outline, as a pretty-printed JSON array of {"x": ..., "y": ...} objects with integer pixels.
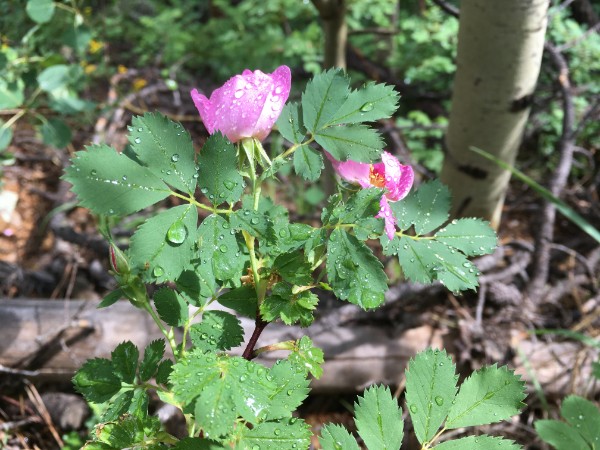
[
  {"x": 137, "y": 140},
  {"x": 439, "y": 400},
  {"x": 158, "y": 271},
  {"x": 177, "y": 233},
  {"x": 175, "y": 157},
  {"x": 367, "y": 107}
]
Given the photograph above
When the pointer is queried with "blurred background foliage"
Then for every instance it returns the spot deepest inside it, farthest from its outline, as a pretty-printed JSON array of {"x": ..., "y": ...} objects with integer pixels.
[{"x": 55, "y": 57}]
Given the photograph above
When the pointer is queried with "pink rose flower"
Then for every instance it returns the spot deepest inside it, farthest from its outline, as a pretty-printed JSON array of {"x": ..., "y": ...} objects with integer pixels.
[
  {"x": 389, "y": 174},
  {"x": 247, "y": 105}
]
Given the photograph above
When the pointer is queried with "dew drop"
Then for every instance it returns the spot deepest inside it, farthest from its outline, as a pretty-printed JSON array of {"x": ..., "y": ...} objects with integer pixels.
[
  {"x": 239, "y": 93},
  {"x": 175, "y": 157},
  {"x": 278, "y": 90},
  {"x": 229, "y": 184},
  {"x": 223, "y": 248},
  {"x": 124, "y": 177},
  {"x": 94, "y": 172},
  {"x": 177, "y": 232},
  {"x": 489, "y": 395},
  {"x": 439, "y": 400},
  {"x": 137, "y": 140},
  {"x": 367, "y": 107},
  {"x": 413, "y": 408},
  {"x": 254, "y": 220},
  {"x": 277, "y": 431},
  {"x": 140, "y": 129},
  {"x": 158, "y": 271}
]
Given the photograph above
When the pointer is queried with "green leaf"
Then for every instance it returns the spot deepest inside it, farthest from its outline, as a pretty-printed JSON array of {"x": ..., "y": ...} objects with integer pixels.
[
  {"x": 364, "y": 204},
  {"x": 292, "y": 388},
  {"x": 194, "y": 290},
  {"x": 219, "y": 178},
  {"x": 307, "y": 357},
  {"x": 251, "y": 387},
  {"x": 371, "y": 103},
  {"x": 152, "y": 356},
  {"x": 139, "y": 403},
  {"x": 379, "y": 419},
  {"x": 6, "y": 136},
  {"x": 560, "y": 435},
  {"x": 166, "y": 148},
  {"x": 109, "y": 183},
  {"x": 425, "y": 261},
  {"x": 426, "y": 208},
  {"x": 40, "y": 11},
  {"x": 12, "y": 93},
  {"x": 323, "y": 97},
  {"x": 215, "y": 411},
  {"x": 54, "y": 77},
  {"x": 336, "y": 437},
  {"x": 473, "y": 237},
  {"x": 291, "y": 435},
  {"x": 111, "y": 298},
  {"x": 128, "y": 432},
  {"x": 482, "y": 442},
  {"x": 189, "y": 443},
  {"x": 253, "y": 222},
  {"x": 290, "y": 307},
  {"x": 356, "y": 142},
  {"x": 96, "y": 380},
  {"x": 430, "y": 390},
  {"x": 192, "y": 374},
  {"x": 293, "y": 268},
  {"x": 125, "y": 361},
  {"x": 171, "y": 307},
  {"x": 290, "y": 123},
  {"x": 155, "y": 253},
  {"x": 218, "y": 248},
  {"x": 77, "y": 37},
  {"x": 56, "y": 133},
  {"x": 354, "y": 273},
  {"x": 164, "y": 371},
  {"x": 489, "y": 395},
  {"x": 584, "y": 416},
  {"x": 218, "y": 330},
  {"x": 119, "y": 406},
  {"x": 242, "y": 300},
  {"x": 596, "y": 369},
  {"x": 308, "y": 163}
]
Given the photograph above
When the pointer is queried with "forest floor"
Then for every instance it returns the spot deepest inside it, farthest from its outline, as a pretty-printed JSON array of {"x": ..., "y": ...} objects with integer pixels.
[{"x": 50, "y": 249}]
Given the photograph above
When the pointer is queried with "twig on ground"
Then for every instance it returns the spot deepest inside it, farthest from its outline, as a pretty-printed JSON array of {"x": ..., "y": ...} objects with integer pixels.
[{"x": 545, "y": 235}]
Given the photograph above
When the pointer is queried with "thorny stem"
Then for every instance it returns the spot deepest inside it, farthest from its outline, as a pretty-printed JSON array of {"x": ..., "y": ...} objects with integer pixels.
[{"x": 260, "y": 326}]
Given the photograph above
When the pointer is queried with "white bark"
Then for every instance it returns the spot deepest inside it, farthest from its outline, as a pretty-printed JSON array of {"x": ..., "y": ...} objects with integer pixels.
[{"x": 500, "y": 46}]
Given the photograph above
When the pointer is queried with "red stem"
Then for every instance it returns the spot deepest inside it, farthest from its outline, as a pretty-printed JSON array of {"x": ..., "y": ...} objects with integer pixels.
[{"x": 249, "y": 351}]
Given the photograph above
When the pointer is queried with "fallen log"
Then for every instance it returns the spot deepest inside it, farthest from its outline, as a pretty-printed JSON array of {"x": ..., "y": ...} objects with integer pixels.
[{"x": 49, "y": 339}]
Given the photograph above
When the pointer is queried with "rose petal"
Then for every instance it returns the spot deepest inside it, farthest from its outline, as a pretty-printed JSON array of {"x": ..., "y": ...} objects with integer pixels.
[
  {"x": 385, "y": 212},
  {"x": 398, "y": 178},
  {"x": 247, "y": 105},
  {"x": 205, "y": 109},
  {"x": 351, "y": 171}
]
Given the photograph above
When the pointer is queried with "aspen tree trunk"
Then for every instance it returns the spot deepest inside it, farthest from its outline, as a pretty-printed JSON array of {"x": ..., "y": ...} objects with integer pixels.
[{"x": 500, "y": 46}]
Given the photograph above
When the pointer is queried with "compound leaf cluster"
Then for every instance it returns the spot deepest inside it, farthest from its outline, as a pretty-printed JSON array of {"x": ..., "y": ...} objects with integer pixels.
[{"x": 442, "y": 256}]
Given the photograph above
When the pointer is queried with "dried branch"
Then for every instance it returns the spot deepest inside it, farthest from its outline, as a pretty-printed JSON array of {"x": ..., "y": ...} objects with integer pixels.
[
  {"x": 566, "y": 145},
  {"x": 447, "y": 7}
]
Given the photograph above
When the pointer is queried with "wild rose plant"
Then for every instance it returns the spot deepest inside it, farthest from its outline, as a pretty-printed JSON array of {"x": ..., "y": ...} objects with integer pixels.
[{"x": 250, "y": 259}]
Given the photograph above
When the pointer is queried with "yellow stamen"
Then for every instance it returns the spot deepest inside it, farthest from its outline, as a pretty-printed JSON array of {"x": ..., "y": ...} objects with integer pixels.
[{"x": 376, "y": 179}]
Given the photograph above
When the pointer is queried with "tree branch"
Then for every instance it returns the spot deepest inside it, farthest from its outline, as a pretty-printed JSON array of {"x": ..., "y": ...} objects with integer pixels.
[{"x": 447, "y": 7}]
